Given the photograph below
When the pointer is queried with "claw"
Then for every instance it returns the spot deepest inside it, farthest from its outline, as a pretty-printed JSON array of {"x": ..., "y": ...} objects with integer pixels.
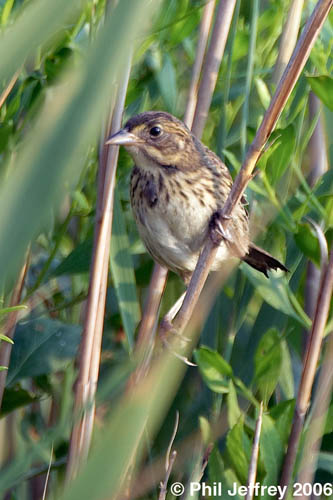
[
  {"x": 167, "y": 329},
  {"x": 217, "y": 229},
  {"x": 179, "y": 356}
]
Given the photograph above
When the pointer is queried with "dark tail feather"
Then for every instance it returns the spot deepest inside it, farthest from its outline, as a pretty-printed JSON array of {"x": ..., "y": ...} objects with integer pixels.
[{"x": 262, "y": 261}]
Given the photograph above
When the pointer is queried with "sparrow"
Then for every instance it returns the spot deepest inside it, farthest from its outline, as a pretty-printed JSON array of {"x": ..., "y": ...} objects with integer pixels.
[{"x": 178, "y": 187}]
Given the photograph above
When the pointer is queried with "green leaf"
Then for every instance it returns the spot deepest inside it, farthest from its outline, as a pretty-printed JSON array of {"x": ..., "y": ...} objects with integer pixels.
[
  {"x": 263, "y": 92},
  {"x": 56, "y": 62},
  {"x": 215, "y": 465},
  {"x": 6, "y": 129},
  {"x": 286, "y": 379},
  {"x": 238, "y": 450},
  {"x": 166, "y": 79},
  {"x": 6, "y": 339},
  {"x": 35, "y": 24},
  {"x": 283, "y": 414},
  {"x": 205, "y": 430},
  {"x": 275, "y": 292},
  {"x": 307, "y": 242},
  {"x": 6, "y": 11},
  {"x": 42, "y": 346},
  {"x": 234, "y": 412},
  {"x": 216, "y": 475},
  {"x": 325, "y": 461},
  {"x": 14, "y": 398},
  {"x": 214, "y": 369},
  {"x": 268, "y": 363},
  {"x": 82, "y": 205},
  {"x": 329, "y": 420},
  {"x": 322, "y": 86},
  {"x": 280, "y": 154},
  {"x": 122, "y": 270},
  {"x": 7, "y": 310},
  {"x": 271, "y": 451},
  {"x": 78, "y": 261}
]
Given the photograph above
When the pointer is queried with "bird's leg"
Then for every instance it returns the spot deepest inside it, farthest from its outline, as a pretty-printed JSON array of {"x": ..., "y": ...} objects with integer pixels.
[
  {"x": 166, "y": 328},
  {"x": 216, "y": 228}
]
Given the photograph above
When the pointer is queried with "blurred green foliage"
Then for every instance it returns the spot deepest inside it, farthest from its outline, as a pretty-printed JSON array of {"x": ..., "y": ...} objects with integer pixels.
[{"x": 69, "y": 57}]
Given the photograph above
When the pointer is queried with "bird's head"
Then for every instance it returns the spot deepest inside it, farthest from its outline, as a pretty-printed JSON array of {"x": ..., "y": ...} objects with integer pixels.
[{"x": 157, "y": 138}]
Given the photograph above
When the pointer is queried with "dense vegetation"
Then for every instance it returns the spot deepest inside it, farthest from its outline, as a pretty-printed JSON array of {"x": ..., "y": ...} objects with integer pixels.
[{"x": 66, "y": 58}]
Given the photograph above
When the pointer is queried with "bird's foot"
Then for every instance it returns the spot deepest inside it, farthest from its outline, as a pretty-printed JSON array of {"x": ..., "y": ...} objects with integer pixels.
[
  {"x": 167, "y": 330},
  {"x": 167, "y": 335},
  {"x": 217, "y": 231}
]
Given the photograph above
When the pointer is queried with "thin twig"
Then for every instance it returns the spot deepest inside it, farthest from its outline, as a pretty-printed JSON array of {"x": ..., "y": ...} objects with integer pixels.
[
  {"x": 205, "y": 26},
  {"x": 283, "y": 91},
  {"x": 6, "y": 347},
  {"x": 48, "y": 474},
  {"x": 309, "y": 368},
  {"x": 254, "y": 456},
  {"x": 93, "y": 326},
  {"x": 211, "y": 67},
  {"x": 169, "y": 461},
  {"x": 9, "y": 88},
  {"x": 288, "y": 38},
  {"x": 164, "y": 484}
]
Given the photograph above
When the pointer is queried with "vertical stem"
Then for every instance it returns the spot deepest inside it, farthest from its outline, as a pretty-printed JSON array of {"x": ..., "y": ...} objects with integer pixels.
[
  {"x": 318, "y": 166},
  {"x": 205, "y": 25},
  {"x": 254, "y": 456},
  {"x": 315, "y": 429},
  {"x": 309, "y": 368},
  {"x": 226, "y": 88},
  {"x": 288, "y": 38},
  {"x": 94, "y": 320},
  {"x": 217, "y": 44},
  {"x": 249, "y": 75}
]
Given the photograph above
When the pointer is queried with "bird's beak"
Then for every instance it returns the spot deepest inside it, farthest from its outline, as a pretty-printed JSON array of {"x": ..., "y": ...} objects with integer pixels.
[{"x": 123, "y": 138}]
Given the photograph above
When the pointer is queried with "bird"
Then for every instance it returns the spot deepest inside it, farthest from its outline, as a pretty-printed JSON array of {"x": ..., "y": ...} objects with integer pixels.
[{"x": 178, "y": 187}]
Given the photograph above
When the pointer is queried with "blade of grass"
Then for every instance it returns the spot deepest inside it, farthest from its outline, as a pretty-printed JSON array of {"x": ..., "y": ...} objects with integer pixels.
[
  {"x": 35, "y": 23},
  {"x": 121, "y": 266}
]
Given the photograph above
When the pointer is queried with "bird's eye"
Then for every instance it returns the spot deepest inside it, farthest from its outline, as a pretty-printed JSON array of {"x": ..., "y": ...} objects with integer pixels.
[{"x": 155, "y": 131}]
